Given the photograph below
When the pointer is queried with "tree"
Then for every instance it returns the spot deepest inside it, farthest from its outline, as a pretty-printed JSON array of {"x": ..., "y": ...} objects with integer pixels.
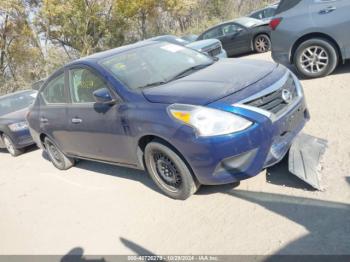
[
  {"x": 19, "y": 53},
  {"x": 79, "y": 24}
]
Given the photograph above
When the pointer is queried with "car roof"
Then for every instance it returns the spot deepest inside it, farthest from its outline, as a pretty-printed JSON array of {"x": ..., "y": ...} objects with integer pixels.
[
  {"x": 112, "y": 52},
  {"x": 245, "y": 21}
]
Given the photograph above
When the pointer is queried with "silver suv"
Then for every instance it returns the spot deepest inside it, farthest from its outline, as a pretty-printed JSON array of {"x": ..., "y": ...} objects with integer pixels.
[{"x": 313, "y": 35}]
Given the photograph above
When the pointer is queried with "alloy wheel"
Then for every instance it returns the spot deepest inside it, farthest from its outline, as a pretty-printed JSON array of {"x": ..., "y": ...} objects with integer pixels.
[
  {"x": 314, "y": 59},
  {"x": 262, "y": 44}
]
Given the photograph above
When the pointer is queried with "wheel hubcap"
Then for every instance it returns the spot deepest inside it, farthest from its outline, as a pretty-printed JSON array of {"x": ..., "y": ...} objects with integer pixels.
[
  {"x": 9, "y": 145},
  {"x": 167, "y": 170},
  {"x": 314, "y": 59},
  {"x": 262, "y": 44}
]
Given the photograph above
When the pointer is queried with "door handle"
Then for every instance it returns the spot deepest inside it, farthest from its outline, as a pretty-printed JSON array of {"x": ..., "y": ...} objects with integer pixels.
[
  {"x": 327, "y": 10},
  {"x": 44, "y": 120},
  {"x": 76, "y": 120}
]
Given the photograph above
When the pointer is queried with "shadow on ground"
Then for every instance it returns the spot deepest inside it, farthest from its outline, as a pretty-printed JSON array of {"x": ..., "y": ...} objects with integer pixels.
[
  {"x": 27, "y": 150},
  {"x": 115, "y": 171},
  {"x": 328, "y": 223},
  {"x": 77, "y": 255}
]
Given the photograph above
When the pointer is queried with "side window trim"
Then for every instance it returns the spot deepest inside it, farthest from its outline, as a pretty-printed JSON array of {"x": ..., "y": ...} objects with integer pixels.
[{"x": 97, "y": 74}]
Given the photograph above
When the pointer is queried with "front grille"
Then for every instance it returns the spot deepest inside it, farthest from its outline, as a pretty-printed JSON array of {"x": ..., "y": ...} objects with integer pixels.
[
  {"x": 214, "y": 51},
  {"x": 274, "y": 102}
]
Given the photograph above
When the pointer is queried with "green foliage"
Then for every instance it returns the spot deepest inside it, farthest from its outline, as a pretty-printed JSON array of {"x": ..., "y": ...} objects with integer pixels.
[{"x": 38, "y": 36}]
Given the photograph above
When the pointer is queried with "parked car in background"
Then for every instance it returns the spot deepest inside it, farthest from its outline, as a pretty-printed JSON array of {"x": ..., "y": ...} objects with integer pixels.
[
  {"x": 186, "y": 118},
  {"x": 36, "y": 85},
  {"x": 241, "y": 36},
  {"x": 266, "y": 13},
  {"x": 312, "y": 35},
  {"x": 212, "y": 47},
  {"x": 190, "y": 38},
  {"x": 14, "y": 132}
]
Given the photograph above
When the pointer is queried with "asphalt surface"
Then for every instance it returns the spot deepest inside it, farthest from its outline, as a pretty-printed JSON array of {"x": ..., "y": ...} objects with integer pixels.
[{"x": 101, "y": 209}]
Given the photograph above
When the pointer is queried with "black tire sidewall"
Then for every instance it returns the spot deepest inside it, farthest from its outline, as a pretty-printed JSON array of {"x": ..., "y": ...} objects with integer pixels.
[
  {"x": 188, "y": 185},
  {"x": 66, "y": 162},
  {"x": 267, "y": 38},
  {"x": 330, "y": 49}
]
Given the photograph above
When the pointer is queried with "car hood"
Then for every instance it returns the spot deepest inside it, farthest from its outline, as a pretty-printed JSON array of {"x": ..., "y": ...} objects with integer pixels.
[
  {"x": 203, "y": 44},
  {"x": 225, "y": 77},
  {"x": 14, "y": 117}
]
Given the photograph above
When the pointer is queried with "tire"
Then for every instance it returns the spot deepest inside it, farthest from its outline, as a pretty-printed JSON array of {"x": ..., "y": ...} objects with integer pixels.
[
  {"x": 316, "y": 58},
  {"x": 169, "y": 171},
  {"x": 10, "y": 146},
  {"x": 262, "y": 43},
  {"x": 58, "y": 159}
]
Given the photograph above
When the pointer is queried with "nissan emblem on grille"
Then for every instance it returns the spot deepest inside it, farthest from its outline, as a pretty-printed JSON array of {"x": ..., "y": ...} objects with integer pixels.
[{"x": 287, "y": 96}]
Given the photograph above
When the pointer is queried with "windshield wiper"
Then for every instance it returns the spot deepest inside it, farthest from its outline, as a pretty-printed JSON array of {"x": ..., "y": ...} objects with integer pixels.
[
  {"x": 188, "y": 70},
  {"x": 177, "y": 76}
]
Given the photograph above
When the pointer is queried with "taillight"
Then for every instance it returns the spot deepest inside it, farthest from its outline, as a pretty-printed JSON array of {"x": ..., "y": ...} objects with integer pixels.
[{"x": 275, "y": 23}]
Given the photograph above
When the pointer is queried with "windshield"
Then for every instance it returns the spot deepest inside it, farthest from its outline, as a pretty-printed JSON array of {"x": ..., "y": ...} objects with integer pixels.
[
  {"x": 16, "y": 102},
  {"x": 154, "y": 64}
]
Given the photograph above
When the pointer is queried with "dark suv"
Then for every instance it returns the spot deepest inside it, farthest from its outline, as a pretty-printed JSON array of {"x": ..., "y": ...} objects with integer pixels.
[{"x": 311, "y": 34}]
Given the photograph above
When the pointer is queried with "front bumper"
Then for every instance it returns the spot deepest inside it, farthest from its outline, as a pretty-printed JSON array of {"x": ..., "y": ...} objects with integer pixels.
[
  {"x": 20, "y": 139},
  {"x": 235, "y": 157},
  {"x": 223, "y": 54}
]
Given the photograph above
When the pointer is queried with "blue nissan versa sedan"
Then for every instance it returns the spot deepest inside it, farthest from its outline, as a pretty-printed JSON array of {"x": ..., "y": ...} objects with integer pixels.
[{"x": 186, "y": 118}]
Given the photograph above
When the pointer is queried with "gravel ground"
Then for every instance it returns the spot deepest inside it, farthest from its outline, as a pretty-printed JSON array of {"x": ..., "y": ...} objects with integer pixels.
[{"x": 104, "y": 209}]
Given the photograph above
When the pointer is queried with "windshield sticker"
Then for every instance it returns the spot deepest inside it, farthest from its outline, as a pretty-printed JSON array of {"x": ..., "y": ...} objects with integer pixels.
[{"x": 172, "y": 48}]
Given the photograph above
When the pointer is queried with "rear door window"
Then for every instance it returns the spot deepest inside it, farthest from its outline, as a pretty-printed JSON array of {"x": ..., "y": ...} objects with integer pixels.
[
  {"x": 285, "y": 5},
  {"x": 231, "y": 29},
  {"x": 214, "y": 33},
  {"x": 82, "y": 85},
  {"x": 258, "y": 15},
  {"x": 54, "y": 92},
  {"x": 269, "y": 12}
]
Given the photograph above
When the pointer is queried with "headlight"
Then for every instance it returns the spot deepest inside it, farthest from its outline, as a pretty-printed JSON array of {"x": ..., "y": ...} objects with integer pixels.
[
  {"x": 18, "y": 126},
  {"x": 207, "y": 121}
]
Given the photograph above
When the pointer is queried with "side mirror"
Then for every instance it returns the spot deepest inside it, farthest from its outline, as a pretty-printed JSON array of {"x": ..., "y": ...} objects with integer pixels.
[{"x": 103, "y": 96}]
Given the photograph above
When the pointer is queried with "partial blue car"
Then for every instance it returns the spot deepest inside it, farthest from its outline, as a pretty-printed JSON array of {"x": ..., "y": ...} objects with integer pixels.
[
  {"x": 14, "y": 131},
  {"x": 186, "y": 118},
  {"x": 211, "y": 47}
]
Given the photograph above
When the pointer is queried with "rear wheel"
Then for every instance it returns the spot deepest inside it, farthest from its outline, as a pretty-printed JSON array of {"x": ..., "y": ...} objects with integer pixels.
[
  {"x": 262, "y": 43},
  {"x": 169, "y": 171},
  {"x": 10, "y": 146},
  {"x": 58, "y": 159},
  {"x": 316, "y": 58}
]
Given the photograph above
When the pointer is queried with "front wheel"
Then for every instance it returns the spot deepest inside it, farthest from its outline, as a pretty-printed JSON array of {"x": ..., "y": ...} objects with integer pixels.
[
  {"x": 316, "y": 58},
  {"x": 58, "y": 159},
  {"x": 10, "y": 146},
  {"x": 262, "y": 43},
  {"x": 169, "y": 171}
]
